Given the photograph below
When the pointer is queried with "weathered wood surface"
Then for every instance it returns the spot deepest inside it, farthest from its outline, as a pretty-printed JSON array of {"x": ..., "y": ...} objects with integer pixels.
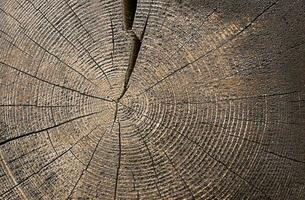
[{"x": 154, "y": 99}]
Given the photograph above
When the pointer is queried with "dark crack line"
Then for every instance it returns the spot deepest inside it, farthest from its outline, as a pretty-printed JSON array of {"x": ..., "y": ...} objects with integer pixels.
[
  {"x": 54, "y": 84},
  {"x": 135, "y": 49},
  {"x": 115, "y": 118},
  {"x": 17, "y": 47},
  {"x": 40, "y": 46},
  {"x": 120, "y": 148},
  {"x": 62, "y": 35},
  {"x": 129, "y": 8},
  {"x": 182, "y": 179},
  {"x": 205, "y": 85},
  {"x": 46, "y": 165},
  {"x": 51, "y": 142},
  {"x": 75, "y": 185},
  {"x": 3, "y": 32},
  {"x": 213, "y": 157},
  {"x": 136, "y": 45},
  {"x": 249, "y": 140},
  {"x": 60, "y": 60},
  {"x": 156, "y": 178},
  {"x": 146, "y": 22},
  {"x": 284, "y": 157},
  {"x": 94, "y": 151},
  {"x": 53, "y": 26},
  {"x": 86, "y": 166},
  {"x": 119, "y": 162},
  {"x": 52, "y": 110},
  {"x": 24, "y": 154},
  {"x": 79, "y": 20},
  {"x": 88, "y": 33},
  {"x": 133, "y": 180},
  {"x": 38, "y": 106},
  {"x": 10, "y": 15},
  {"x": 96, "y": 63},
  {"x": 73, "y": 154},
  {"x": 40, "y": 62},
  {"x": 214, "y": 49},
  {"x": 45, "y": 129}
]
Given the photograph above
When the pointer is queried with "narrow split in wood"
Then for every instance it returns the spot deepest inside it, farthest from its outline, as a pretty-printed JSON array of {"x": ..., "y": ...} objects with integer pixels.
[{"x": 129, "y": 11}]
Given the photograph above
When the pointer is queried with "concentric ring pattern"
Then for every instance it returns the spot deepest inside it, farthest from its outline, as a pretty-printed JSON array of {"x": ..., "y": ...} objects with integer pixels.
[{"x": 152, "y": 99}]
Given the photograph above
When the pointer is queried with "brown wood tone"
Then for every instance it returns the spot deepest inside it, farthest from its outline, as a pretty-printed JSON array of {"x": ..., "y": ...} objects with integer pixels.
[{"x": 152, "y": 99}]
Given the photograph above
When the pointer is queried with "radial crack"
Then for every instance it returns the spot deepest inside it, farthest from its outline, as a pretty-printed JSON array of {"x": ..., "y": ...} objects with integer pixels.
[
  {"x": 135, "y": 49},
  {"x": 182, "y": 179},
  {"x": 37, "y": 106},
  {"x": 59, "y": 32},
  {"x": 284, "y": 157},
  {"x": 54, "y": 84},
  {"x": 87, "y": 166},
  {"x": 136, "y": 44},
  {"x": 157, "y": 181},
  {"x": 119, "y": 164},
  {"x": 79, "y": 20},
  {"x": 213, "y": 49},
  {"x": 46, "y": 165},
  {"x": 120, "y": 152},
  {"x": 45, "y": 129},
  {"x": 96, "y": 63}
]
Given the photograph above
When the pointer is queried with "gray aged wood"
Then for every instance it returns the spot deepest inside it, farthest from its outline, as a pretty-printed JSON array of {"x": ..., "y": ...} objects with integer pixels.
[{"x": 152, "y": 99}]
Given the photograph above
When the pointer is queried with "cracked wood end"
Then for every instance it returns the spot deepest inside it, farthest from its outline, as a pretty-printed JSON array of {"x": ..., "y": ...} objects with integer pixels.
[{"x": 152, "y": 99}]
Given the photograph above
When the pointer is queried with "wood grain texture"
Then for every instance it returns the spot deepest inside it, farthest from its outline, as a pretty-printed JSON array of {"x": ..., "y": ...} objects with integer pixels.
[{"x": 152, "y": 99}]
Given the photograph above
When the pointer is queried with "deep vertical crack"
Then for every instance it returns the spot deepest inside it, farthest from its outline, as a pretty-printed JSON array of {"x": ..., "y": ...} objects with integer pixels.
[
  {"x": 234, "y": 115},
  {"x": 129, "y": 11},
  {"x": 136, "y": 44},
  {"x": 135, "y": 49}
]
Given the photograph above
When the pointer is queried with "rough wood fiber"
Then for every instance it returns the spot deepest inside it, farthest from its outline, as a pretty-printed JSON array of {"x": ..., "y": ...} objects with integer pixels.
[{"x": 152, "y": 99}]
